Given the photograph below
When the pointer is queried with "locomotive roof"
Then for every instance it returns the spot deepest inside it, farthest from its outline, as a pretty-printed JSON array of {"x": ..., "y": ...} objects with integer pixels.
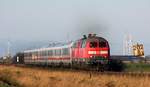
[{"x": 93, "y": 38}]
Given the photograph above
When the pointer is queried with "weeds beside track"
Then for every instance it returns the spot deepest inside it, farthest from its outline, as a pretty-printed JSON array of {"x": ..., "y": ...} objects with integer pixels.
[{"x": 54, "y": 77}]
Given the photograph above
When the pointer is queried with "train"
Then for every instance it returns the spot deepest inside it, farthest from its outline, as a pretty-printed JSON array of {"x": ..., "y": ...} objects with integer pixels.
[{"x": 89, "y": 51}]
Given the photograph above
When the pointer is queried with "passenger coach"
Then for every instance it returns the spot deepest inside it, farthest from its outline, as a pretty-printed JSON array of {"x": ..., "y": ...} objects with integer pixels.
[{"x": 48, "y": 56}]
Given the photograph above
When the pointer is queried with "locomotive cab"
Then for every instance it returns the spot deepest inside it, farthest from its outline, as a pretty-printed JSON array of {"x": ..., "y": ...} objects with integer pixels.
[{"x": 91, "y": 50}]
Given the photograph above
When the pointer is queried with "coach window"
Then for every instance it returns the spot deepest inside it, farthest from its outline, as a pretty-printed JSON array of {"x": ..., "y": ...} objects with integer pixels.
[
  {"x": 54, "y": 52},
  {"x": 46, "y": 52},
  {"x": 43, "y": 53},
  {"x": 93, "y": 44},
  {"x": 39, "y": 53},
  {"x": 65, "y": 51},
  {"x": 57, "y": 52},
  {"x": 25, "y": 54},
  {"x": 35, "y": 54},
  {"x": 49, "y": 53},
  {"x": 30, "y": 55}
]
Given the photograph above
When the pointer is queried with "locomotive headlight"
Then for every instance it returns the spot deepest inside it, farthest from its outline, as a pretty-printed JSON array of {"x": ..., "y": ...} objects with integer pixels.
[
  {"x": 91, "y": 52},
  {"x": 103, "y": 52}
]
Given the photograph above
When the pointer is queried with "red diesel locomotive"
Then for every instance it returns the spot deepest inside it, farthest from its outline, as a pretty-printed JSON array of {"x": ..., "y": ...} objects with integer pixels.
[{"x": 91, "y": 50}]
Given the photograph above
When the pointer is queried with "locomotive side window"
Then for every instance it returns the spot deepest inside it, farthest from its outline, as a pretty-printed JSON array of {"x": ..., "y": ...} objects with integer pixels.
[
  {"x": 93, "y": 44},
  {"x": 102, "y": 44},
  {"x": 79, "y": 44},
  {"x": 75, "y": 45},
  {"x": 83, "y": 44}
]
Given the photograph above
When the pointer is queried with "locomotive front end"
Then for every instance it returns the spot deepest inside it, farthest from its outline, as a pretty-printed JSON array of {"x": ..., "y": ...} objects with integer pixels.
[{"x": 98, "y": 51}]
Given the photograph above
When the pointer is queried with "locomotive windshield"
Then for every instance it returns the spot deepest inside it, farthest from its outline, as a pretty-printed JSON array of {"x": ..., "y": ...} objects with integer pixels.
[
  {"x": 93, "y": 44},
  {"x": 102, "y": 44}
]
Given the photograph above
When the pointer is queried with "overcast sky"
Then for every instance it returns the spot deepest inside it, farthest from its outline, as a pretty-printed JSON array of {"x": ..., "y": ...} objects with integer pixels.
[{"x": 62, "y": 20}]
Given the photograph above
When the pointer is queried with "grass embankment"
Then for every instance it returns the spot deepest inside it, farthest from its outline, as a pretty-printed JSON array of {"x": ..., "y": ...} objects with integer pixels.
[
  {"x": 11, "y": 76},
  {"x": 137, "y": 67}
]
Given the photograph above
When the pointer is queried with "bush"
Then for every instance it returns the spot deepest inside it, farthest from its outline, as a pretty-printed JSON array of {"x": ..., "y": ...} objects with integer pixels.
[{"x": 116, "y": 65}]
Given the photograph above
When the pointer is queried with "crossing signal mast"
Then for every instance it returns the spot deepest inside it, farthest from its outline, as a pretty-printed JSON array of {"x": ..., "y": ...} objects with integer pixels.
[
  {"x": 127, "y": 45},
  {"x": 8, "y": 49}
]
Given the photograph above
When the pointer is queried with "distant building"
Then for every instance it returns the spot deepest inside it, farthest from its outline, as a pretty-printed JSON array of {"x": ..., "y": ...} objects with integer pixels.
[{"x": 138, "y": 50}]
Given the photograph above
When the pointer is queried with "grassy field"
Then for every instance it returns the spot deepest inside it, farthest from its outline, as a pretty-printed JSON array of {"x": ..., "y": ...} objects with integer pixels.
[{"x": 11, "y": 76}]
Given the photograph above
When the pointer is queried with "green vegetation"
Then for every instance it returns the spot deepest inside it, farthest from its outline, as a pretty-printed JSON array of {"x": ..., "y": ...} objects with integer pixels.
[
  {"x": 117, "y": 65},
  {"x": 137, "y": 67}
]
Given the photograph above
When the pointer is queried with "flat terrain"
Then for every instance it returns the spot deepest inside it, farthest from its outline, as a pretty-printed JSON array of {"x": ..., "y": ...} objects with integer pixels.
[{"x": 12, "y": 76}]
